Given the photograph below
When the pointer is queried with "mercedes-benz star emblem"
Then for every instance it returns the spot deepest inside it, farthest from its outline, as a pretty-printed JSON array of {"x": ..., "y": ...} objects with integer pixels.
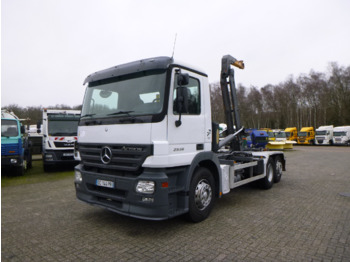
[{"x": 106, "y": 155}]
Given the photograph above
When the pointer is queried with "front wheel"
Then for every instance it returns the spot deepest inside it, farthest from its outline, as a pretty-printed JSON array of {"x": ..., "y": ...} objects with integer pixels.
[{"x": 201, "y": 195}]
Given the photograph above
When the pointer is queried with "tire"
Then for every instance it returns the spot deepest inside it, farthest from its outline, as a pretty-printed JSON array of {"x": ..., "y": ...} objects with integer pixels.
[
  {"x": 201, "y": 195},
  {"x": 29, "y": 159},
  {"x": 47, "y": 168},
  {"x": 267, "y": 181},
  {"x": 19, "y": 171},
  {"x": 278, "y": 169}
]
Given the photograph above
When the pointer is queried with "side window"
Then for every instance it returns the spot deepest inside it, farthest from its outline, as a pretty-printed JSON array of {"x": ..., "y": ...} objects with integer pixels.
[{"x": 193, "y": 91}]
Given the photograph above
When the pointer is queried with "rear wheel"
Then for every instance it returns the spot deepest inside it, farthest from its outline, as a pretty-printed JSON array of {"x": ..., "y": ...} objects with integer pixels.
[
  {"x": 201, "y": 195},
  {"x": 278, "y": 169},
  {"x": 267, "y": 181}
]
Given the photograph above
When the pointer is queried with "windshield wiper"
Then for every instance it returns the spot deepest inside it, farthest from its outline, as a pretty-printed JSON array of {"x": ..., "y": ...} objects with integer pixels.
[
  {"x": 120, "y": 113},
  {"x": 88, "y": 115}
]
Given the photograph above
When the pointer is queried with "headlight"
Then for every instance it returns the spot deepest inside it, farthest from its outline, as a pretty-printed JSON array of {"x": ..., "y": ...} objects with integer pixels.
[
  {"x": 145, "y": 187},
  {"x": 78, "y": 177}
]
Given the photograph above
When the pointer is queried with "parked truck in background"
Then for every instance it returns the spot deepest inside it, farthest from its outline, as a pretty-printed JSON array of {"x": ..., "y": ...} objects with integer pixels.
[
  {"x": 291, "y": 133},
  {"x": 35, "y": 138},
  {"x": 149, "y": 149},
  {"x": 306, "y": 136},
  {"x": 324, "y": 135},
  {"x": 59, "y": 130},
  {"x": 341, "y": 135},
  {"x": 257, "y": 138},
  {"x": 16, "y": 154}
]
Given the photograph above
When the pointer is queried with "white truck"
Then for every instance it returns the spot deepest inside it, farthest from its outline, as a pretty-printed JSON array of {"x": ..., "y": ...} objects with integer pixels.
[
  {"x": 149, "y": 149},
  {"x": 59, "y": 130},
  {"x": 324, "y": 135},
  {"x": 341, "y": 135}
]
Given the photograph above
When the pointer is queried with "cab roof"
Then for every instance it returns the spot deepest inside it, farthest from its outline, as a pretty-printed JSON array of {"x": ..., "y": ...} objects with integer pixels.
[{"x": 161, "y": 62}]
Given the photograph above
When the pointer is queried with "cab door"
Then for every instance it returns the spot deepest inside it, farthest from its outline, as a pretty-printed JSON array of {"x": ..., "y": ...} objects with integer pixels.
[{"x": 188, "y": 138}]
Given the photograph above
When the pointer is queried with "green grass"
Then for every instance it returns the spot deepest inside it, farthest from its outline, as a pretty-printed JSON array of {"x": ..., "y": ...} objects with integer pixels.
[{"x": 35, "y": 174}]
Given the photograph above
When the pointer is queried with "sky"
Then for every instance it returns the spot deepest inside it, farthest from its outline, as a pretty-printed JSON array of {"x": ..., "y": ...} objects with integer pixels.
[{"x": 48, "y": 47}]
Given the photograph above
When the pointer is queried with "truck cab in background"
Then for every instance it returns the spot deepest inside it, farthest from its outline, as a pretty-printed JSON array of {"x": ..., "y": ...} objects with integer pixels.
[
  {"x": 324, "y": 135},
  {"x": 341, "y": 135},
  {"x": 16, "y": 155},
  {"x": 291, "y": 133},
  {"x": 306, "y": 136},
  {"x": 59, "y": 130},
  {"x": 257, "y": 138}
]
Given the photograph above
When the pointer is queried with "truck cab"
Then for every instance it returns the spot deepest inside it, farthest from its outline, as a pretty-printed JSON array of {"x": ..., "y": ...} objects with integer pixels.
[
  {"x": 341, "y": 135},
  {"x": 59, "y": 131},
  {"x": 15, "y": 148},
  {"x": 306, "y": 136},
  {"x": 291, "y": 133},
  {"x": 324, "y": 135},
  {"x": 257, "y": 138}
]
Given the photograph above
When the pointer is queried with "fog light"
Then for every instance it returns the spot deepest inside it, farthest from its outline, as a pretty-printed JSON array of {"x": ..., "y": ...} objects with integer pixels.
[
  {"x": 78, "y": 177},
  {"x": 145, "y": 187},
  {"x": 148, "y": 199},
  {"x": 13, "y": 161}
]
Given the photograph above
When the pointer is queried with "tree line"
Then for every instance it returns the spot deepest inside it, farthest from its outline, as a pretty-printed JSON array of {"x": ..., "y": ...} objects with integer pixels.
[
  {"x": 314, "y": 100},
  {"x": 309, "y": 100}
]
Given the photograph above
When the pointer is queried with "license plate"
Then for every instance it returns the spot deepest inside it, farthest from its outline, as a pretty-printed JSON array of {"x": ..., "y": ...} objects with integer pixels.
[
  {"x": 105, "y": 183},
  {"x": 68, "y": 154}
]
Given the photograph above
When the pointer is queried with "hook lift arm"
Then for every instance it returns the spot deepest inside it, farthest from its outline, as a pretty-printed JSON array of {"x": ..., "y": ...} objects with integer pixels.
[{"x": 228, "y": 89}]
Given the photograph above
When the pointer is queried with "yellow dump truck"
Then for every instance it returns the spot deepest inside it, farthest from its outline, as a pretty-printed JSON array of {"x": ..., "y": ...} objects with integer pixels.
[{"x": 306, "y": 136}]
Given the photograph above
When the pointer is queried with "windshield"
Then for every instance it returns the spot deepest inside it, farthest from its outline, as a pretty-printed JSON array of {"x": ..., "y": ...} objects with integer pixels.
[
  {"x": 63, "y": 125},
  {"x": 302, "y": 134},
  {"x": 271, "y": 134},
  {"x": 339, "y": 133},
  {"x": 321, "y": 133},
  {"x": 136, "y": 94},
  {"x": 261, "y": 139},
  {"x": 280, "y": 135},
  {"x": 287, "y": 134},
  {"x": 9, "y": 128}
]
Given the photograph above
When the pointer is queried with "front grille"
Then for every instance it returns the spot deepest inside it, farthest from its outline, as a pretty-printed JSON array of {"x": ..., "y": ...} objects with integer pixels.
[
  {"x": 9, "y": 149},
  {"x": 105, "y": 190},
  {"x": 125, "y": 157},
  {"x": 63, "y": 144}
]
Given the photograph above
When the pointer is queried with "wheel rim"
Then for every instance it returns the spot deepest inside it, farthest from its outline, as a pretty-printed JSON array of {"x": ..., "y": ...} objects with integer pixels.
[
  {"x": 279, "y": 168},
  {"x": 203, "y": 194}
]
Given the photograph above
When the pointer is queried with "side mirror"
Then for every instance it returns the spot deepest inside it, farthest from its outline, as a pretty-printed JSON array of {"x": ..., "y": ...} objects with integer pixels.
[
  {"x": 38, "y": 127},
  {"x": 182, "y": 99},
  {"x": 181, "y": 105},
  {"x": 23, "y": 130},
  {"x": 183, "y": 79}
]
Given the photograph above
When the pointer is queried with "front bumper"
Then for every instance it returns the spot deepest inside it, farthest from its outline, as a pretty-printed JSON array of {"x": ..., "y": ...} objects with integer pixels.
[
  {"x": 52, "y": 157},
  {"x": 164, "y": 203},
  {"x": 11, "y": 161}
]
